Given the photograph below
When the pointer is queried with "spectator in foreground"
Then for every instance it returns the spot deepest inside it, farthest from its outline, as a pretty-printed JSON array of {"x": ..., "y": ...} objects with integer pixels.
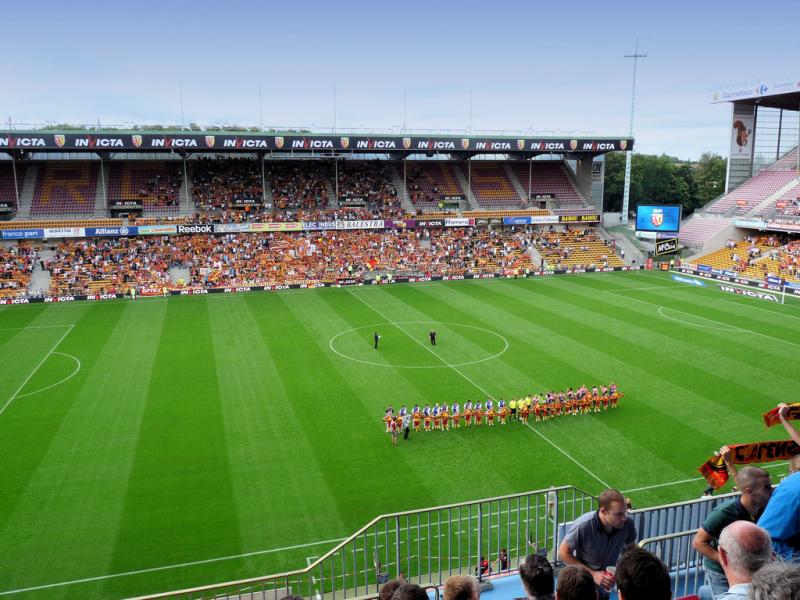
[
  {"x": 388, "y": 589},
  {"x": 776, "y": 581},
  {"x": 537, "y": 578},
  {"x": 642, "y": 576},
  {"x": 596, "y": 540},
  {"x": 575, "y": 583},
  {"x": 409, "y": 591},
  {"x": 743, "y": 549},
  {"x": 461, "y": 587},
  {"x": 781, "y": 518},
  {"x": 756, "y": 489}
]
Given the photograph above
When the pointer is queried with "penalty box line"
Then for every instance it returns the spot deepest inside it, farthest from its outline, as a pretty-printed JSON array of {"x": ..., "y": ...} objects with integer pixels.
[
  {"x": 37, "y": 367},
  {"x": 478, "y": 387}
]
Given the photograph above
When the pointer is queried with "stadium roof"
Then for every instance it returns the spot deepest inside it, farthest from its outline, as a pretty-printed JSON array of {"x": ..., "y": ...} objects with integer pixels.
[
  {"x": 784, "y": 94},
  {"x": 209, "y": 141}
]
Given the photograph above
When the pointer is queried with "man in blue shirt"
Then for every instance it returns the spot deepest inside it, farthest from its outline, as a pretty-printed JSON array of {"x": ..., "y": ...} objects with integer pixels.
[{"x": 781, "y": 518}]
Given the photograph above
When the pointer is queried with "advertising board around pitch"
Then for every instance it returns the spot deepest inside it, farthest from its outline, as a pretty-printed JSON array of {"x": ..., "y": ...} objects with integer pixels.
[{"x": 659, "y": 218}]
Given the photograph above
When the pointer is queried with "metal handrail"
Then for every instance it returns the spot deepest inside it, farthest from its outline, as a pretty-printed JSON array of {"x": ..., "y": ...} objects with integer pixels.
[{"x": 397, "y": 525}]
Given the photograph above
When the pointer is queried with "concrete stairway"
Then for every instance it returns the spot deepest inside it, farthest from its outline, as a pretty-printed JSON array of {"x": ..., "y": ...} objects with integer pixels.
[
  {"x": 40, "y": 279},
  {"x": 26, "y": 192},
  {"x": 185, "y": 203},
  {"x": 402, "y": 192},
  {"x": 462, "y": 179},
  {"x": 517, "y": 185},
  {"x": 100, "y": 203}
]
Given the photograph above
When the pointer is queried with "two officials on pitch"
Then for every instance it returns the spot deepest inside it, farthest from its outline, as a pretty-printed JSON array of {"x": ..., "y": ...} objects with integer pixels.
[{"x": 376, "y": 338}]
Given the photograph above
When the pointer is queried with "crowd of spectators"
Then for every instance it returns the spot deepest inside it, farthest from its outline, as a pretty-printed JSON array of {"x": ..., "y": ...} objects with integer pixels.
[
  {"x": 579, "y": 248},
  {"x": 109, "y": 266},
  {"x": 368, "y": 182},
  {"x": 275, "y": 258},
  {"x": 297, "y": 185},
  {"x": 17, "y": 266},
  {"x": 221, "y": 183},
  {"x": 260, "y": 214},
  {"x": 161, "y": 189}
]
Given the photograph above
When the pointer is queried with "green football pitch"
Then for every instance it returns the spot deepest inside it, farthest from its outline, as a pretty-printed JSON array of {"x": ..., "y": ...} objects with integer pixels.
[{"x": 167, "y": 443}]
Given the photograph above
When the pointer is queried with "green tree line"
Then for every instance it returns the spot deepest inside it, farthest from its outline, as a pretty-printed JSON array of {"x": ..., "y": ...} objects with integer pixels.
[{"x": 664, "y": 180}]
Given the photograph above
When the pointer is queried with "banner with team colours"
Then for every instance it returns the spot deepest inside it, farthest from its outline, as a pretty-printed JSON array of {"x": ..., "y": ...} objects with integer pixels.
[
  {"x": 22, "y": 234},
  {"x": 261, "y": 227},
  {"x": 743, "y": 454},
  {"x": 771, "y": 417}
]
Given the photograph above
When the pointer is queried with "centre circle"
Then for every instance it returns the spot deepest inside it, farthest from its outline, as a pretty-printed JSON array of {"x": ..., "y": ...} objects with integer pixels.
[{"x": 396, "y": 338}]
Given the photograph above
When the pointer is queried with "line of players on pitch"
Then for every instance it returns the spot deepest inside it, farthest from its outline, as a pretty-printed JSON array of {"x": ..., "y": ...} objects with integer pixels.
[{"x": 543, "y": 407}]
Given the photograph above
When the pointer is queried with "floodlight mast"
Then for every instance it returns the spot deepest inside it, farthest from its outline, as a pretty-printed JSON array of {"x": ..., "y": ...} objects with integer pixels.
[{"x": 629, "y": 155}]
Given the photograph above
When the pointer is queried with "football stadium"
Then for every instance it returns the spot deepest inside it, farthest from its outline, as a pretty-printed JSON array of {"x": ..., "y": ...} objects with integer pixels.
[{"x": 251, "y": 363}]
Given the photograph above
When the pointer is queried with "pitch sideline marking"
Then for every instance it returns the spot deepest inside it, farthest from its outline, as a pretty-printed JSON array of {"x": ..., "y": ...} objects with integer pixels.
[
  {"x": 772, "y": 312},
  {"x": 221, "y": 558},
  {"x": 669, "y": 483},
  {"x": 481, "y": 389},
  {"x": 35, "y": 327},
  {"x": 52, "y": 385},
  {"x": 165, "y": 567},
  {"x": 41, "y": 362},
  {"x": 740, "y": 329}
]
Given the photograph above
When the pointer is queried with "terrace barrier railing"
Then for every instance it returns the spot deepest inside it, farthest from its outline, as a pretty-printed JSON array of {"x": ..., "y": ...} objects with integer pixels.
[
  {"x": 423, "y": 546},
  {"x": 427, "y": 546}
]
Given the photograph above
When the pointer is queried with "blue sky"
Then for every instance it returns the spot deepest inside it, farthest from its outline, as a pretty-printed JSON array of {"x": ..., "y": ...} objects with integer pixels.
[{"x": 549, "y": 66}]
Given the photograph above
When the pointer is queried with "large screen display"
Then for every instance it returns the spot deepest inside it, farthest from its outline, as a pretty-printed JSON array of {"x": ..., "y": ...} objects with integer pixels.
[{"x": 662, "y": 218}]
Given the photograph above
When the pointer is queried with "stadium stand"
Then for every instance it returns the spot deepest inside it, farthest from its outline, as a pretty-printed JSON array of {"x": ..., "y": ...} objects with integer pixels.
[
  {"x": 8, "y": 192},
  {"x": 111, "y": 266},
  {"x": 299, "y": 185},
  {"x": 65, "y": 189},
  {"x": 369, "y": 182},
  {"x": 752, "y": 192},
  {"x": 220, "y": 183},
  {"x": 575, "y": 249},
  {"x": 548, "y": 177},
  {"x": 757, "y": 258},
  {"x": 491, "y": 186},
  {"x": 696, "y": 230},
  {"x": 156, "y": 185},
  {"x": 17, "y": 263},
  {"x": 788, "y": 204},
  {"x": 428, "y": 181},
  {"x": 783, "y": 262},
  {"x": 108, "y": 266}
]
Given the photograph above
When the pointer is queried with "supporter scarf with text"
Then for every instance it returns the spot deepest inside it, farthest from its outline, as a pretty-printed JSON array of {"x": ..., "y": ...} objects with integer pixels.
[
  {"x": 741, "y": 454},
  {"x": 771, "y": 418}
]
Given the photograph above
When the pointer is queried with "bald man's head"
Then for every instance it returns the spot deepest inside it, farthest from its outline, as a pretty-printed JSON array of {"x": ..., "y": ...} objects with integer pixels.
[{"x": 744, "y": 549}]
